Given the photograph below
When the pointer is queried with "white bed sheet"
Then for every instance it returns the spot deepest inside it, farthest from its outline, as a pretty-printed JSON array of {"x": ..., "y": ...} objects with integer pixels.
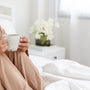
[
  {"x": 39, "y": 62},
  {"x": 54, "y": 82},
  {"x": 58, "y": 81},
  {"x": 68, "y": 68}
]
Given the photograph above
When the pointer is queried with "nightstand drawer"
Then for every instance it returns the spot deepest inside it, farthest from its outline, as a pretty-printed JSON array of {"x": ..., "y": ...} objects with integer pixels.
[
  {"x": 52, "y": 52},
  {"x": 56, "y": 55}
]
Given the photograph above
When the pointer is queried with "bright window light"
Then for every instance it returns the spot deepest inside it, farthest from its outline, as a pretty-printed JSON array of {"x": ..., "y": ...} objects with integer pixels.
[{"x": 81, "y": 7}]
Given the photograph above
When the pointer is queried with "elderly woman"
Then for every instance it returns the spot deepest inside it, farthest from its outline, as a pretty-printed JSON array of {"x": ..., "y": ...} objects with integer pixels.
[{"x": 17, "y": 72}]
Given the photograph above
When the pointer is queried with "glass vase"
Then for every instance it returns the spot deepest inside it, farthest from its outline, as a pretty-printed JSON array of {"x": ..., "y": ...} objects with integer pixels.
[{"x": 43, "y": 41}]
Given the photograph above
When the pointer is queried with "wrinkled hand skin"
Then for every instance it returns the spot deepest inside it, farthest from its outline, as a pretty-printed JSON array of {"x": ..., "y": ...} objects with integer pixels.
[{"x": 24, "y": 44}]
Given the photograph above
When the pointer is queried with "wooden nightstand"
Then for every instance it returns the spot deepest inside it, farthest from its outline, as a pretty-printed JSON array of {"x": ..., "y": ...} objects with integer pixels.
[{"x": 51, "y": 52}]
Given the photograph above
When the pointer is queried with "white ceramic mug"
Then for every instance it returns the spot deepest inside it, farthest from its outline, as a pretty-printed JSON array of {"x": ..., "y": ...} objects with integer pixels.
[{"x": 13, "y": 41}]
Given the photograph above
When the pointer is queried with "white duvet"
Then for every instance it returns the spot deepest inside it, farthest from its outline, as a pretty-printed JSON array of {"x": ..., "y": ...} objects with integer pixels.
[
  {"x": 63, "y": 74},
  {"x": 54, "y": 82}
]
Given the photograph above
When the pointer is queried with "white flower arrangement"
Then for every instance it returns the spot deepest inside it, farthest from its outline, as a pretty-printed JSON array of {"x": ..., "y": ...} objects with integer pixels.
[{"x": 44, "y": 28}]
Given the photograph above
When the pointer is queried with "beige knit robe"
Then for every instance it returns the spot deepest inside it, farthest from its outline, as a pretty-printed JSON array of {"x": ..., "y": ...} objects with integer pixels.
[{"x": 17, "y": 72}]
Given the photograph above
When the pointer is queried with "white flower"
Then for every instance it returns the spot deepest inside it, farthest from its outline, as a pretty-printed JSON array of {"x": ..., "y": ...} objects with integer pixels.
[
  {"x": 43, "y": 27},
  {"x": 37, "y": 36}
]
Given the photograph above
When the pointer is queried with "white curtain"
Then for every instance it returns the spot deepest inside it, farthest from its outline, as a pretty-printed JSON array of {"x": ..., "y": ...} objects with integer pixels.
[
  {"x": 80, "y": 7},
  {"x": 46, "y": 8}
]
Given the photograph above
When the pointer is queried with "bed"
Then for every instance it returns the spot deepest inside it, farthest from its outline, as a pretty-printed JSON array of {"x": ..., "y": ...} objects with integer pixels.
[
  {"x": 62, "y": 74},
  {"x": 58, "y": 75}
]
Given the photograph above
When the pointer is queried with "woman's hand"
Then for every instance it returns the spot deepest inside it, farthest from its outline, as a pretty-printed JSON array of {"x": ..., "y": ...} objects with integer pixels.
[
  {"x": 3, "y": 45},
  {"x": 24, "y": 44}
]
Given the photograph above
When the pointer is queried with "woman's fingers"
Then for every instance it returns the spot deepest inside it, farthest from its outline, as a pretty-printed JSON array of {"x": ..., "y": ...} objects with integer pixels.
[
  {"x": 4, "y": 45},
  {"x": 24, "y": 39},
  {"x": 0, "y": 27},
  {"x": 4, "y": 41},
  {"x": 23, "y": 44},
  {"x": 5, "y": 48},
  {"x": 23, "y": 48}
]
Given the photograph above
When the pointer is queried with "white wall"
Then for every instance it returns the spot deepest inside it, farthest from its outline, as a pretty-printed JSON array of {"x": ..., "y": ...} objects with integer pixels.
[
  {"x": 76, "y": 39},
  {"x": 22, "y": 15}
]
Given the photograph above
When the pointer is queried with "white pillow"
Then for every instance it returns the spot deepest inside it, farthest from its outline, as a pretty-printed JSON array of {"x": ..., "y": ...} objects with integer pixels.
[
  {"x": 7, "y": 26},
  {"x": 68, "y": 68}
]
